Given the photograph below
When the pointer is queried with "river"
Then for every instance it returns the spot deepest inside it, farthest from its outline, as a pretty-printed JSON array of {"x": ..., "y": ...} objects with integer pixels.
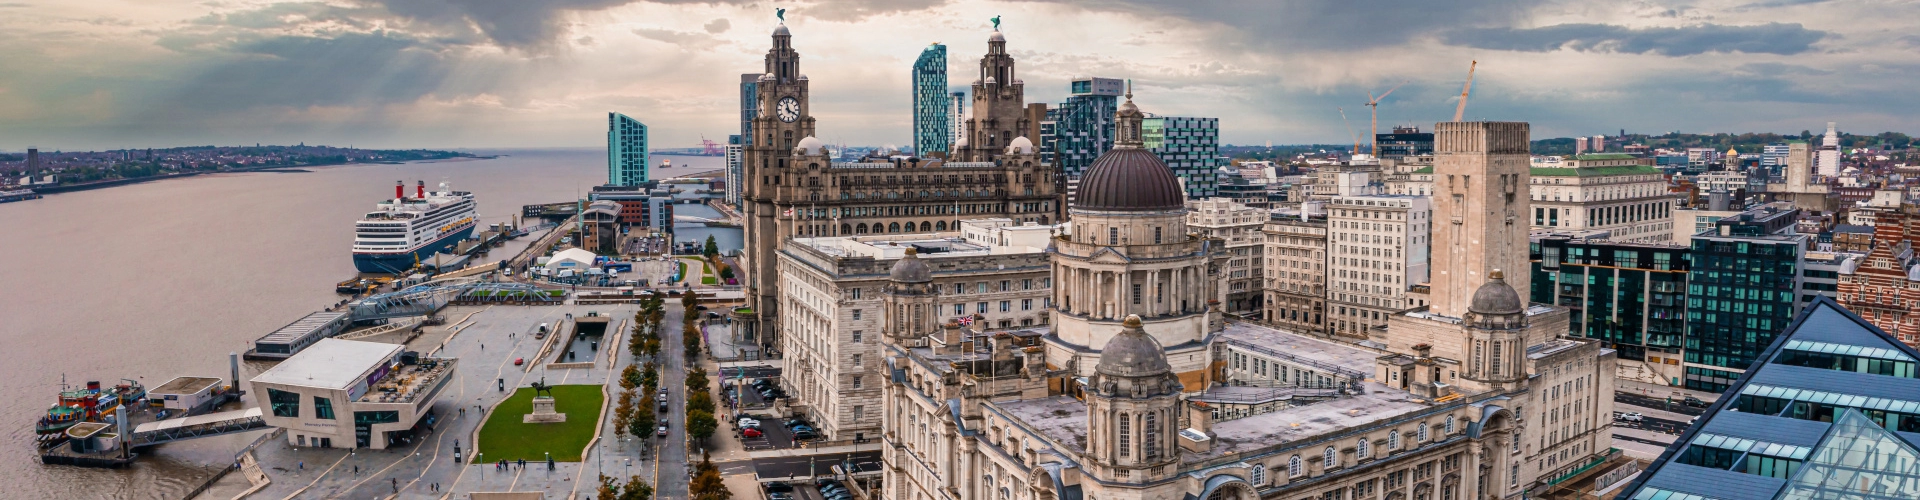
[{"x": 162, "y": 279}]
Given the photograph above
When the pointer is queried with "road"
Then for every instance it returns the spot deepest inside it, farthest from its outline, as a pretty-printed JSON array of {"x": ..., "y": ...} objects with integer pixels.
[
  {"x": 1627, "y": 398},
  {"x": 670, "y": 475}
]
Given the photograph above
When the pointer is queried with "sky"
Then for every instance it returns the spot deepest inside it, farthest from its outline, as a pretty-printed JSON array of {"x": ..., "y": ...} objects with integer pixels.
[{"x": 104, "y": 74}]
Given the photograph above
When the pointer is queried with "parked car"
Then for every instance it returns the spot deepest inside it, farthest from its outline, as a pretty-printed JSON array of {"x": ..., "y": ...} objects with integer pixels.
[
  {"x": 519, "y": 361},
  {"x": 806, "y": 434},
  {"x": 795, "y": 422},
  {"x": 751, "y": 432},
  {"x": 779, "y": 488},
  {"x": 1695, "y": 402},
  {"x": 662, "y": 432},
  {"x": 663, "y": 408},
  {"x": 1632, "y": 416},
  {"x": 779, "y": 496}
]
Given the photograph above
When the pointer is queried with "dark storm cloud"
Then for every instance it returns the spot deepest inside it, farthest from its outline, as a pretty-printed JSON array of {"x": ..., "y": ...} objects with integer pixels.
[
  {"x": 1770, "y": 38},
  {"x": 1266, "y": 25},
  {"x": 353, "y": 69}
]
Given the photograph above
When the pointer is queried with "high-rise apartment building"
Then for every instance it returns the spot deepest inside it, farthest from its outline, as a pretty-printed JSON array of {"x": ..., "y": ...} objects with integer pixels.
[
  {"x": 1630, "y": 295},
  {"x": 1599, "y": 144},
  {"x": 736, "y": 147},
  {"x": 1296, "y": 273},
  {"x": 1239, "y": 226},
  {"x": 626, "y": 150},
  {"x": 932, "y": 125},
  {"x": 1377, "y": 247},
  {"x": 749, "y": 106},
  {"x": 956, "y": 116},
  {"x": 1742, "y": 287},
  {"x": 1828, "y": 158},
  {"x": 1083, "y": 125},
  {"x": 1191, "y": 146},
  {"x": 1579, "y": 145}
]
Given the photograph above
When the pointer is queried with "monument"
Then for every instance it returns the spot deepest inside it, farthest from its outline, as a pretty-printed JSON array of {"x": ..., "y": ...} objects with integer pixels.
[{"x": 543, "y": 405}]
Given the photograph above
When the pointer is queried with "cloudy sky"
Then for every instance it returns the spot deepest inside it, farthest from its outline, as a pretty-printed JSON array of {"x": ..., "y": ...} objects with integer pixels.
[{"x": 532, "y": 73}]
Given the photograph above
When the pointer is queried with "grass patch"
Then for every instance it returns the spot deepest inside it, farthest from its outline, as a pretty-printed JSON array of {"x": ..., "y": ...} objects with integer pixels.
[
  {"x": 505, "y": 437},
  {"x": 683, "y": 270},
  {"x": 708, "y": 280}
]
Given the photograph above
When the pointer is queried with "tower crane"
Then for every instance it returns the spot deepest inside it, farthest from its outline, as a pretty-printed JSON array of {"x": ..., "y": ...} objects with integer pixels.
[
  {"x": 1356, "y": 137},
  {"x": 1462, "y": 108},
  {"x": 1373, "y": 103}
]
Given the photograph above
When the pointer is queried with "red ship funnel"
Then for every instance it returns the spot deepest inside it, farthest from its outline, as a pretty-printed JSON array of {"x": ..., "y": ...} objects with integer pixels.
[
  {"x": 422, "y": 191},
  {"x": 399, "y": 189}
]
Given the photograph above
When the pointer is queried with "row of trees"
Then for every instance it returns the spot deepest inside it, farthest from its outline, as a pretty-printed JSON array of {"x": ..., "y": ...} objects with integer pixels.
[
  {"x": 610, "y": 489},
  {"x": 701, "y": 424},
  {"x": 634, "y": 416}
]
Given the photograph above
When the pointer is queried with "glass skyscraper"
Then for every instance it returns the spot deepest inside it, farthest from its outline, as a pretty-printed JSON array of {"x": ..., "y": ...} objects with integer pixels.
[
  {"x": 749, "y": 100},
  {"x": 1631, "y": 295},
  {"x": 932, "y": 126},
  {"x": 957, "y": 117},
  {"x": 1082, "y": 127},
  {"x": 1743, "y": 287},
  {"x": 1191, "y": 147},
  {"x": 626, "y": 150}
]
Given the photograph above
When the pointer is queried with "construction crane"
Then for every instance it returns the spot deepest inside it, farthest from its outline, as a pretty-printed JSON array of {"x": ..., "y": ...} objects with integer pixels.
[
  {"x": 1373, "y": 103},
  {"x": 1356, "y": 137},
  {"x": 1462, "y": 109}
]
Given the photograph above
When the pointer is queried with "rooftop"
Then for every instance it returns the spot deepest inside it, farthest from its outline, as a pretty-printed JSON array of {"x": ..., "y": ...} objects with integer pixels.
[
  {"x": 330, "y": 364},
  {"x": 1062, "y": 419},
  {"x": 1580, "y": 171},
  {"x": 928, "y": 245},
  {"x": 1308, "y": 421},
  {"x": 302, "y": 327},
  {"x": 185, "y": 385}
]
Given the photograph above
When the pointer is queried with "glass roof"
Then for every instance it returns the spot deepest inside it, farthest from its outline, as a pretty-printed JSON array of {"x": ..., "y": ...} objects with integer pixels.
[{"x": 1857, "y": 460}]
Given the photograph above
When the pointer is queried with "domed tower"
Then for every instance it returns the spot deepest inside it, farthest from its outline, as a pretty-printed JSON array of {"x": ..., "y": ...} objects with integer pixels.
[
  {"x": 1129, "y": 254},
  {"x": 910, "y": 300},
  {"x": 1496, "y": 322},
  {"x": 1132, "y": 400}
]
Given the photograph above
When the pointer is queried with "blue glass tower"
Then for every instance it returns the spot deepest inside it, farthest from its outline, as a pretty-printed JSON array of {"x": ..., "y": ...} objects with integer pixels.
[
  {"x": 749, "y": 103},
  {"x": 1082, "y": 127},
  {"x": 626, "y": 150},
  {"x": 931, "y": 125},
  {"x": 1191, "y": 146}
]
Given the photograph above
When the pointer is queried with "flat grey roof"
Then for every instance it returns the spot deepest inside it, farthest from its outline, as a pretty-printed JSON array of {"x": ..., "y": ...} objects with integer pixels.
[
  {"x": 330, "y": 364},
  {"x": 301, "y": 327},
  {"x": 185, "y": 385},
  {"x": 1061, "y": 418}
]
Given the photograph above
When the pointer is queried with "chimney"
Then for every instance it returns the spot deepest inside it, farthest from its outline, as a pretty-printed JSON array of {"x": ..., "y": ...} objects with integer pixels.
[
  {"x": 399, "y": 190},
  {"x": 950, "y": 337},
  {"x": 421, "y": 191}
]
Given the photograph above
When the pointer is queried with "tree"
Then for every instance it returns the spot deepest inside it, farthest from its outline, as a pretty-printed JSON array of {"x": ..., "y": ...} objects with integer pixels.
[
  {"x": 643, "y": 421},
  {"x": 706, "y": 484},
  {"x": 701, "y": 424},
  {"x": 726, "y": 272},
  {"x": 622, "y": 417},
  {"x": 692, "y": 302},
  {"x": 700, "y": 400},
  {"x": 650, "y": 377},
  {"x": 630, "y": 377},
  {"x": 713, "y": 247},
  {"x": 697, "y": 379},
  {"x": 637, "y": 490},
  {"x": 607, "y": 490}
]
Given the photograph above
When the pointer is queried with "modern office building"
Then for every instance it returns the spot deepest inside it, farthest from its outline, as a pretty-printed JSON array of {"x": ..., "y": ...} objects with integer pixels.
[
  {"x": 1743, "y": 284},
  {"x": 1240, "y": 227},
  {"x": 1377, "y": 248},
  {"x": 351, "y": 394},
  {"x": 957, "y": 116},
  {"x": 1404, "y": 142},
  {"x": 1631, "y": 296},
  {"x": 1296, "y": 273},
  {"x": 647, "y": 205},
  {"x": 749, "y": 106},
  {"x": 626, "y": 150},
  {"x": 1082, "y": 126},
  {"x": 932, "y": 125},
  {"x": 1191, "y": 146},
  {"x": 736, "y": 147},
  {"x": 1827, "y": 410}
]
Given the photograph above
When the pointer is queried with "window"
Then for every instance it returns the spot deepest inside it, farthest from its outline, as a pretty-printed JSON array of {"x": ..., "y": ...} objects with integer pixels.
[
  {"x": 1136, "y": 293},
  {"x": 1423, "y": 432},
  {"x": 1124, "y": 436},
  {"x": 1330, "y": 458},
  {"x": 856, "y": 381},
  {"x": 1360, "y": 449},
  {"x": 322, "y": 408},
  {"x": 1156, "y": 236},
  {"x": 1113, "y": 236},
  {"x": 1293, "y": 466},
  {"x": 1449, "y": 424},
  {"x": 1150, "y": 441},
  {"x": 1006, "y": 285},
  {"x": 1026, "y": 304},
  {"x": 982, "y": 308},
  {"x": 1258, "y": 476},
  {"x": 855, "y": 293},
  {"x": 856, "y": 314},
  {"x": 859, "y": 411},
  {"x": 1393, "y": 440},
  {"x": 959, "y": 309},
  {"x": 1006, "y": 305},
  {"x": 285, "y": 403},
  {"x": 856, "y": 338},
  {"x": 856, "y": 360}
]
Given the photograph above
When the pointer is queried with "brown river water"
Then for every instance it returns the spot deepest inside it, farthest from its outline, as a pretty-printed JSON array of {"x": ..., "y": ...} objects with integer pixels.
[{"x": 163, "y": 279}]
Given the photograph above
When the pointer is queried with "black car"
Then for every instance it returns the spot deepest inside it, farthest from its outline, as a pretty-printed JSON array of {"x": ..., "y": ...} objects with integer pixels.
[
  {"x": 779, "y": 488},
  {"x": 792, "y": 423},
  {"x": 1695, "y": 402},
  {"x": 804, "y": 435}
]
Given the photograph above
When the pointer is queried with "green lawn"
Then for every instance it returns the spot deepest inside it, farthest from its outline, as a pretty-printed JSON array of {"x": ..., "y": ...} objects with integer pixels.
[
  {"x": 709, "y": 280},
  {"x": 505, "y": 437},
  {"x": 683, "y": 269}
]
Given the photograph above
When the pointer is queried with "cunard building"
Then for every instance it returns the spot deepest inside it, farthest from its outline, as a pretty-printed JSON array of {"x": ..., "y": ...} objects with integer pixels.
[
  {"x": 794, "y": 187},
  {"x": 1140, "y": 390}
]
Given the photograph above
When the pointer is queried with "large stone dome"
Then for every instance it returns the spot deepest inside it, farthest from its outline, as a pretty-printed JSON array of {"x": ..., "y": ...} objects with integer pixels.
[
  {"x": 1133, "y": 353},
  {"x": 911, "y": 269},
  {"x": 1129, "y": 179},
  {"x": 1496, "y": 297}
]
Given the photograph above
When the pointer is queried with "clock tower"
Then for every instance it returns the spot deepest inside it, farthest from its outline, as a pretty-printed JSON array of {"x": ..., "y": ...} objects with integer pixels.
[{"x": 779, "y": 125}]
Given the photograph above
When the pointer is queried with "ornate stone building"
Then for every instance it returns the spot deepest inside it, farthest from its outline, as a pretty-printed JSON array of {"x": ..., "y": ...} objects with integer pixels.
[
  {"x": 1884, "y": 288},
  {"x": 1296, "y": 274},
  {"x": 793, "y": 187}
]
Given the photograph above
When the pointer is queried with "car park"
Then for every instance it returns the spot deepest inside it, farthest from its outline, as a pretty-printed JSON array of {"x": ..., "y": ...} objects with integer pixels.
[
  {"x": 804, "y": 435},
  {"x": 751, "y": 432},
  {"x": 748, "y": 423}
]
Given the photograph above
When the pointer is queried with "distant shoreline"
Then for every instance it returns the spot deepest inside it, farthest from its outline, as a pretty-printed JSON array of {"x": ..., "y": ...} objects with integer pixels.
[{"x": 89, "y": 186}]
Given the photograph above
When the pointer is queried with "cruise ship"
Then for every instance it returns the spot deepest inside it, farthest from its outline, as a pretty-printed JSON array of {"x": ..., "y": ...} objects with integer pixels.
[{"x": 402, "y": 231}]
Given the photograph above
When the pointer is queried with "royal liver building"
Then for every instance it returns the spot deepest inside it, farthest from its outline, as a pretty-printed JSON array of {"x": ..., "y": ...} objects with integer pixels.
[{"x": 794, "y": 186}]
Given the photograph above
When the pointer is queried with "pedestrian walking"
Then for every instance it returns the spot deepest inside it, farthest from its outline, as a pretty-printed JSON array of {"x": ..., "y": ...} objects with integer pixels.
[
  {"x": 356, "y": 471},
  {"x": 303, "y": 465}
]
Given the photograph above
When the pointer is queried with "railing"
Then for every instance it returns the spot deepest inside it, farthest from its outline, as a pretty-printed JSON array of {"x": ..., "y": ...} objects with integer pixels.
[{"x": 248, "y": 422}]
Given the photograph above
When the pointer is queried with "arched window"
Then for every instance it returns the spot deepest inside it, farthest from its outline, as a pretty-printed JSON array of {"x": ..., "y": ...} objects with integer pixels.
[
  {"x": 1361, "y": 449},
  {"x": 1330, "y": 458},
  {"x": 1393, "y": 440},
  {"x": 860, "y": 229},
  {"x": 893, "y": 228},
  {"x": 1294, "y": 468},
  {"x": 1258, "y": 476},
  {"x": 926, "y": 226},
  {"x": 940, "y": 226},
  {"x": 846, "y": 229},
  {"x": 1449, "y": 424},
  {"x": 1423, "y": 433}
]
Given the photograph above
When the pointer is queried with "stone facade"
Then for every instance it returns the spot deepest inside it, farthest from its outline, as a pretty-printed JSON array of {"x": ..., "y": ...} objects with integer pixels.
[
  {"x": 1884, "y": 289},
  {"x": 1376, "y": 248},
  {"x": 1240, "y": 227},
  {"x": 1479, "y": 203},
  {"x": 792, "y": 188},
  {"x": 1296, "y": 274}
]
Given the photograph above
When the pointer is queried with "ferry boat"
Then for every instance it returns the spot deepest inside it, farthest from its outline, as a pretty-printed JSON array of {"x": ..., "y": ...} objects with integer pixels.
[
  {"x": 402, "y": 231},
  {"x": 87, "y": 405}
]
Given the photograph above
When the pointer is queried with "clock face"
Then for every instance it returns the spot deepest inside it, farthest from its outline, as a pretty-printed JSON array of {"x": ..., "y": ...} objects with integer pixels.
[{"x": 788, "y": 110}]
